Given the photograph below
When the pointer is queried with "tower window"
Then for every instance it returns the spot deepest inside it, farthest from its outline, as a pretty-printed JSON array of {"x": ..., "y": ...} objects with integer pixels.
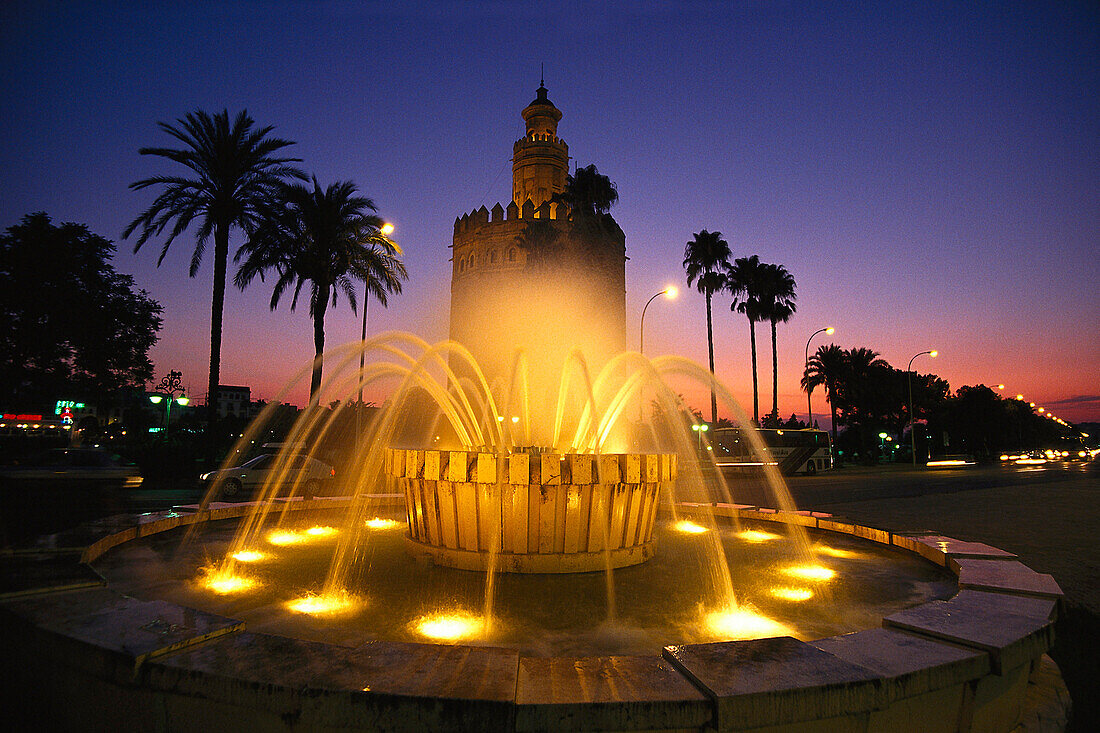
[
  {"x": 512, "y": 255},
  {"x": 493, "y": 256}
]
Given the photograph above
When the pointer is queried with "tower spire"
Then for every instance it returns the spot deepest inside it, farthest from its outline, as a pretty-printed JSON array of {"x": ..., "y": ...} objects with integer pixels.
[{"x": 542, "y": 73}]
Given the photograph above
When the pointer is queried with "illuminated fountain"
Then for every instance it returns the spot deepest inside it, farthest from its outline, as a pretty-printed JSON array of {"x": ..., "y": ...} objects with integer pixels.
[
  {"x": 356, "y": 611},
  {"x": 484, "y": 483}
]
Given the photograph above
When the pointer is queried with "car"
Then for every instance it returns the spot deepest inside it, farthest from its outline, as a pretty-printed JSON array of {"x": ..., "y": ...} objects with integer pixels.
[
  {"x": 76, "y": 467},
  {"x": 61, "y": 488},
  {"x": 310, "y": 474}
]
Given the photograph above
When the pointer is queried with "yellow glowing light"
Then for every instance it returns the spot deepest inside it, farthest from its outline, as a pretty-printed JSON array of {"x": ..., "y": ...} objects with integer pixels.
[
  {"x": 379, "y": 523},
  {"x": 671, "y": 291},
  {"x": 1004, "y": 457},
  {"x": 933, "y": 354},
  {"x": 449, "y": 627},
  {"x": 756, "y": 535},
  {"x": 248, "y": 556},
  {"x": 1019, "y": 396},
  {"x": 284, "y": 537},
  {"x": 733, "y": 623},
  {"x": 810, "y": 572},
  {"x": 224, "y": 583},
  {"x": 386, "y": 229},
  {"x": 951, "y": 462},
  {"x": 688, "y": 527},
  {"x": 835, "y": 552},
  {"x": 830, "y": 330},
  {"x": 793, "y": 594},
  {"x": 1000, "y": 386},
  {"x": 321, "y": 531},
  {"x": 323, "y": 605}
]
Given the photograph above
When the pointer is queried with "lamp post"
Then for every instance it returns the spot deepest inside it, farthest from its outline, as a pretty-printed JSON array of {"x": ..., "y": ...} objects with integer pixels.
[
  {"x": 809, "y": 390},
  {"x": 169, "y": 387},
  {"x": 699, "y": 429},
  {"x": 385, "y": 230},
  {"x": 670, "y": 291},
  {"x": 912, "y": 425}
]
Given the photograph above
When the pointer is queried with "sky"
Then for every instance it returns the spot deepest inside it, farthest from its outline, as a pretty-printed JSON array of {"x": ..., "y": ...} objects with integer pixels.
[{"x": 928, "y": 172}]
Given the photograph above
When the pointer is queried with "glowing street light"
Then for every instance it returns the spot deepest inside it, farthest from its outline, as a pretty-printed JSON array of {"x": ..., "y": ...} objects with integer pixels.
[
  {"x": 699, "y": 429},
  {"x": 171, "y": 390},
  {"x": 385, "y": 230},
  {"x": 671, "y": 292},
  {"x": 912, "y": 425},
  {"x": 828, "y": 330}
]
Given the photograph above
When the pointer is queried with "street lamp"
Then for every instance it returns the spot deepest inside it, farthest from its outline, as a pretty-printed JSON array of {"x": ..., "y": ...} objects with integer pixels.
[
  {"x": 699, "y": 429},
  {"x": 670, "y": 291},
  {"x": 912, "y": 427},
  {"x": 385, "y": 230},
  {"x": 169, "y": 387},
  {"x": 809, "y": 390}
]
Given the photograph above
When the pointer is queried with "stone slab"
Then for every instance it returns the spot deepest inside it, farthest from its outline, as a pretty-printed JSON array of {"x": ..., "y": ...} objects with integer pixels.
[
  {"x": 914, "y": 664},
  {"x": 27, "y": 574},
  {"x": 1012, "y": 629},
  {"x": 117, "y": 624},
  {"x": 383, "y": 685},
  {"x": 607, "y": 693},
  {"x": 938, "y": 548},
  {"x": 776, "y": 681},
  {"x": 1004, "y": 576}
]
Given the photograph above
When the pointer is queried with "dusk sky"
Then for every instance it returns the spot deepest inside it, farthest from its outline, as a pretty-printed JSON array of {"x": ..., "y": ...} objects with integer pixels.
[{"x": 928, "y": 172}]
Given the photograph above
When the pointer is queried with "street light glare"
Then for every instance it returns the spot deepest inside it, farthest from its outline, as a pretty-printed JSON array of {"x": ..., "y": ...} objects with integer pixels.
[
  {"x": 155, "y": 399},
  {"x": 933, "y": 354},
  {"x": 671, "y": 291},
  {"x": 386, "y": 229},
  {"x": 830, "y": 330}
]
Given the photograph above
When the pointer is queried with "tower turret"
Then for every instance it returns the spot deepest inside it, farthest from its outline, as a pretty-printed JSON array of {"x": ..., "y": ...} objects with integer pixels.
[{"x": 540, "y": 160}]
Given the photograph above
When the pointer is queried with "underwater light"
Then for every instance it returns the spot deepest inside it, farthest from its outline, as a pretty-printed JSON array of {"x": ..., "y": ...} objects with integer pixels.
[
  {"x": 449, "y": 627},
  {"x": 688, "y": 527},
  {"x": 733, "y": 623},
  {"x": 810, "y": 572},
  {"x": 756, "y": 535}
]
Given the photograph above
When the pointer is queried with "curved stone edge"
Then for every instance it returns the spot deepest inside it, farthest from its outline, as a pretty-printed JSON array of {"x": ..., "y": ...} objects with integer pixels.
[{"x": 962, "y": 664}]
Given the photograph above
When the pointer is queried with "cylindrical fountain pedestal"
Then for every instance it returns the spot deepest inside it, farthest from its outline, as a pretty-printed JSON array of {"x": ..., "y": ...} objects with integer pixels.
[{"x": 530, "y": 513}]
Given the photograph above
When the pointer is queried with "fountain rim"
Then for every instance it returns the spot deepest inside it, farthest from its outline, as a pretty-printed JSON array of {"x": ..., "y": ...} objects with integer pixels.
[{"x": 1004, "y": 666}]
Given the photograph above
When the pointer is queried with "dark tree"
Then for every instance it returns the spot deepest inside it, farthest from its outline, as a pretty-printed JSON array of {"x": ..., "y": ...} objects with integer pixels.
[
  {"x": 232, "y": 169},
  {"x": 328, "y": 238},
  {"x": 746, "y": 280},
  {"x": 70, "y": 325},
  {"x": 706, "y": 259}
]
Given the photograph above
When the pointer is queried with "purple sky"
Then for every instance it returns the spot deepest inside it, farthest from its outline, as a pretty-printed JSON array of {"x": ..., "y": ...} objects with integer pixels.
[{"x": 929, "y": 173}]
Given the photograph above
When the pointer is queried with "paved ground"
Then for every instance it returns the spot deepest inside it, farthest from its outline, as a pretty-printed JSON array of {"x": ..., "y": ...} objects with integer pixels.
[{"x": 1049, "y": 518}]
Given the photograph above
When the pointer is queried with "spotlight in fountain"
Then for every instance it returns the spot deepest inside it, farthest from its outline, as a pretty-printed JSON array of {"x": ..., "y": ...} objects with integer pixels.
[
  {"x": 689, "y": 527},
  {"x": 248, "y": 556},
  {"x": 450, "y": 626},
  {"x": 380, "y": 523},
  {"x": 324, "y": 604},
  {"x": 732, "y": 623},
  {"x": 818, "y": 573},
  {"x": 757, "y": 536}
]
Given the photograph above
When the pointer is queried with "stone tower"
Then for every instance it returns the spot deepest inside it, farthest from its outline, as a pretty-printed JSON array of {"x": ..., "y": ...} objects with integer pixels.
[
  {"x": 532, "y": 278},
  {"x": 540, "y": 159}
]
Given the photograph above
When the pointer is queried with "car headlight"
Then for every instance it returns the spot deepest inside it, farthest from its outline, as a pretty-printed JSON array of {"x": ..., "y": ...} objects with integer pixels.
[{"x": 205, "y": 476}]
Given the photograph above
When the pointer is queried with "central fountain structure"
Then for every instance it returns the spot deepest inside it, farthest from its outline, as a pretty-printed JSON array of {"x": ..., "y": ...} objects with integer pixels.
[{"x": 530, "y": 513}]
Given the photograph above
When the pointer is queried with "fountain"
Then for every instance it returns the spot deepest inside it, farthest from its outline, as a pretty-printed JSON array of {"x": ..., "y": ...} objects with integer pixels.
[{"x": 487, "y": 569}]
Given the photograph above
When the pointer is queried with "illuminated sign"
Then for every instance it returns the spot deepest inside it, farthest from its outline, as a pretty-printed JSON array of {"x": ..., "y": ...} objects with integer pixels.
[
  {"x": 8, "y": 416},
  {"x": 69, "y": 404}
]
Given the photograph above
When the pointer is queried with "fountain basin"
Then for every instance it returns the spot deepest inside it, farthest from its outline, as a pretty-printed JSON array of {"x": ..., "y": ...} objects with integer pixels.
[
  {"x": 530, "y": 513},
  {"x": 94, "y": 657}
]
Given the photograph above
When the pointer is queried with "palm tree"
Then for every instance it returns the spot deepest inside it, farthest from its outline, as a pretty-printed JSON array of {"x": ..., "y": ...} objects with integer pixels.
[
  {"x": 706, "y": 258},
  {"x": 828, "y": 366},
  {"x": 234, "y": 169},
  {"x": 325, "y": 238},
  {"x": 587, "y": 193},
  {"x": 778, "y": 300},
  {"x": 746, "y": 281}
]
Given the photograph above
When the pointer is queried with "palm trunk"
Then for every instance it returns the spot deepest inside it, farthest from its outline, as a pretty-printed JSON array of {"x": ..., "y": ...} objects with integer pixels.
[
  {"x": 710, "y": 352},
  {"x": 318, "y": 345},
  {"x": 775, "y": 377},
  {"x": 832, "y": 407},
  {"x": 755, "y": 381},
  {"x": 217, "y": 307}
]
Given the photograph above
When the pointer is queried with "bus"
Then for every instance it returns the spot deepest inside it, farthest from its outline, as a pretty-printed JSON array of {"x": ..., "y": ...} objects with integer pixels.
[{"x": 793, "y": 451}]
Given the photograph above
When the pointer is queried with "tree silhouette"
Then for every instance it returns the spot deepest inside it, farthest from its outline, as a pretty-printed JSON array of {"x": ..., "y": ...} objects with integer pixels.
[
  {"x": 746, "y": 280},
  {"x": 706, "y": 259},
  {"x": 234, "y": 170},
  {"x": 325, "y": 238},
  {"x": 829, "y": 367},
  {"x": 778, "y": 302}
]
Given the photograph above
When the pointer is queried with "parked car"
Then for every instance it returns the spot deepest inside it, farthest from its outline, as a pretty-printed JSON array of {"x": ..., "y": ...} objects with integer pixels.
[{"x": 312, "y": 475}]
